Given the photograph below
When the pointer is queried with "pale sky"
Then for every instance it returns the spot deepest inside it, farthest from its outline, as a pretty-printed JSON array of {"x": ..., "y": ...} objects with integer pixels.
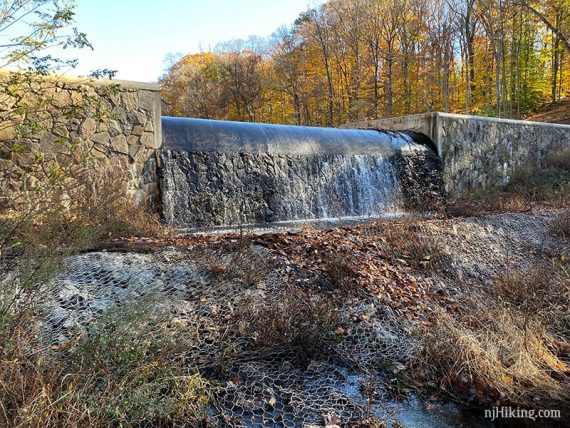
[{"x": 134, "y": 36}]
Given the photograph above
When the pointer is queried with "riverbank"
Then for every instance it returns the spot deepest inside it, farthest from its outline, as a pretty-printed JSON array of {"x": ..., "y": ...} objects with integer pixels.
[{"x": 379, "y": 324}]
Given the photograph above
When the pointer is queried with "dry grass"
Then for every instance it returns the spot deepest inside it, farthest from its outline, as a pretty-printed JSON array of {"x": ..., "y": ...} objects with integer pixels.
[
  {"x": 237, "y": 259},
  {"x": 559, "y": 159},
  {"x": 504, "y": 345},
  {"x": 290, "y": 324},
  {"x": 78, "y": 383},
  {"x": 420, "y": 249},
  {"x": 560, "y": 225},
  {"x": 125, "y": 372},
  {"x": 486, "y": 355},
  {"x": 540, "y": 293},
  {"x": 478, "y": 203}
]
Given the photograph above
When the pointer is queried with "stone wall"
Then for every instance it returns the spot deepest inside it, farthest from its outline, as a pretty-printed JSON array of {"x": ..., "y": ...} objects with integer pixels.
[
  {"x": 479, "y": 152},
  {"x": 51, "y": 123},
  {"x": 205, "y": 189}
]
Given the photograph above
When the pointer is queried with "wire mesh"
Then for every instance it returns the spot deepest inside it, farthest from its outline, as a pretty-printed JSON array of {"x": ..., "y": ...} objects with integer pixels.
[{"x": 205, "y": 291}]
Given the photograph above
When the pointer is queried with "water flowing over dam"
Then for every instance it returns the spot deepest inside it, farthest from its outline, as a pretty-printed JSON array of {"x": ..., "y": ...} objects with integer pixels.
[{"x": 221, "y": 173}]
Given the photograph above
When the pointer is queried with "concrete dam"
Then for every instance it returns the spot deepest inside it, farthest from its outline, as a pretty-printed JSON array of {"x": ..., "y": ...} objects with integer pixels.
[{"x": 220, "y": 173}]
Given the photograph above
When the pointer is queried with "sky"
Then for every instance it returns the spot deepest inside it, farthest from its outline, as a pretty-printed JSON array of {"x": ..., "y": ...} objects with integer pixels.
[{"x": 134, "y": 36}]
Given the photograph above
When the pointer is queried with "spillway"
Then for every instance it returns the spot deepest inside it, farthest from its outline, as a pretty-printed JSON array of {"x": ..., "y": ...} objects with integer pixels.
[{"x": 222, "y": 173}]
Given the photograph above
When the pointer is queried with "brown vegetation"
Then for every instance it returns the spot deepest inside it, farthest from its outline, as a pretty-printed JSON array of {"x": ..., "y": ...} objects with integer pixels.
[
  {"x": 560, "y": 225},
  {"x": 407, "y": 241},
  {"x": 529, "y": 186},
  {"x": 127, "y": 370},
  {"x": 291, "y": 323},
  {"x": 506, "y": 345},
  {"x": 113, "y": 374},
  {"x": 488, "y": 354}
]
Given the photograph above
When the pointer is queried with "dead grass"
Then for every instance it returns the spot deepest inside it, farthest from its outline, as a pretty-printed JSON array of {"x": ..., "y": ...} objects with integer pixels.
[
  {"x": 503, "y": 346},
  {"x": 560, "y": 225},
  {"x": 540, "y": 293},
  {"x": 237, "y": 259},
  {"x": 61, "y": 386},
  {"x": 290, "y": 324},
  {"x": 418, "y": 248},
  {"x": 485, "y": 355},
  {"x": 127, "y": 371},
  {"x": 559, "y": 159},
  {"x": 478, "y": 203}
]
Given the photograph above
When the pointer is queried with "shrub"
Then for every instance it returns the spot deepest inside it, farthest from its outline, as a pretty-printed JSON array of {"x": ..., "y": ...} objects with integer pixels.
[
  {"x": 418, "y": 248},
  {"x": 127, "y": 371},
  {"x": 559, "y": 159},
  {"x": 291, "y": 324},
  {"x": 44, "y": 387},
  {"x": 481, "y": 202},
  {"x": 560, "y": 225},
  {"x": 338, "y": 272},
  {"x": 238, "y": 259},
  {"x": 539, "y": 293},
  {"x": 504, "y": 346},
  {"x": 36, "y": 241}
]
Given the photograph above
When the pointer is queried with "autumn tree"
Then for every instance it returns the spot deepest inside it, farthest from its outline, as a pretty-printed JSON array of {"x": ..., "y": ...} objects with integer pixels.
[{"x": 363, "y": 59}]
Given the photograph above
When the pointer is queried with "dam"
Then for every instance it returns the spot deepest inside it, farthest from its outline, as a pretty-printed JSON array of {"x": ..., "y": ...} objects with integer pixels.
[
  {"x": 201, "y": 174},
  {"x": 222, "y": 173}
]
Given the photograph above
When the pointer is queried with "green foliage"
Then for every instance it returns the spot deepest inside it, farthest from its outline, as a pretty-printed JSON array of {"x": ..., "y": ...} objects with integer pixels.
[{"x": 46, "y": 29}]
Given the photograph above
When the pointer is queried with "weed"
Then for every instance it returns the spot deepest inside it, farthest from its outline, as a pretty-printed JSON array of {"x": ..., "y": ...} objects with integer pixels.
[
  {"x": 125, "y": 372},
  {"x": 559, "y": 159},
  {"x": 490, "y": 354},
  {"x": 560, "y": 225},
  {"x": 418, "y": 248},
  {"x": 246, "y": 263},
  {"x": 540, "y": 293},
  {"x": 338, "y": 272},
  {"x": 291, "y": 324}
]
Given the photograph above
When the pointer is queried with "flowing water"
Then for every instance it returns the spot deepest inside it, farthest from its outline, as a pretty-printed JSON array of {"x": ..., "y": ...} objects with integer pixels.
[{"x": 216, "y": 173}]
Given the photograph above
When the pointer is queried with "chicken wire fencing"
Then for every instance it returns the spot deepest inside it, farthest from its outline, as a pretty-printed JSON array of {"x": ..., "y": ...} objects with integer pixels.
[{"x": 206, "y": 293}]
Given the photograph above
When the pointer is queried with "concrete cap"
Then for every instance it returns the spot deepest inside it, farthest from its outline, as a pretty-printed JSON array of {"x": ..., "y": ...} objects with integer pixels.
[{"x": 202, "y": 135}]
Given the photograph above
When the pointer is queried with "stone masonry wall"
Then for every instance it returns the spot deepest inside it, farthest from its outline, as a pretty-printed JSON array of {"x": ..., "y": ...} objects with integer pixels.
[
  {"x": 205, "y": 189},
  {"x": 479, "y": 152},
  {"x": 47, "y": 121}
]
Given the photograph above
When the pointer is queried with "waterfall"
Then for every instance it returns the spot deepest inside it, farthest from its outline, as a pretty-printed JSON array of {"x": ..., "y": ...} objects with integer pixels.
[{"x": 216, "y": 173}]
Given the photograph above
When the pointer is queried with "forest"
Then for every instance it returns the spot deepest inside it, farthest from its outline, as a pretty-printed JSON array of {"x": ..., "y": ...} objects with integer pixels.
[{"x": 351, "y": 60}]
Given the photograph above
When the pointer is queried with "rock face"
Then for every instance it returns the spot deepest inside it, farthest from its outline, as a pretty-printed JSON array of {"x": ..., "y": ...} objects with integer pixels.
[
  {"x": 219, "y": 189},
  {"x": 204, "y": 189}
]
